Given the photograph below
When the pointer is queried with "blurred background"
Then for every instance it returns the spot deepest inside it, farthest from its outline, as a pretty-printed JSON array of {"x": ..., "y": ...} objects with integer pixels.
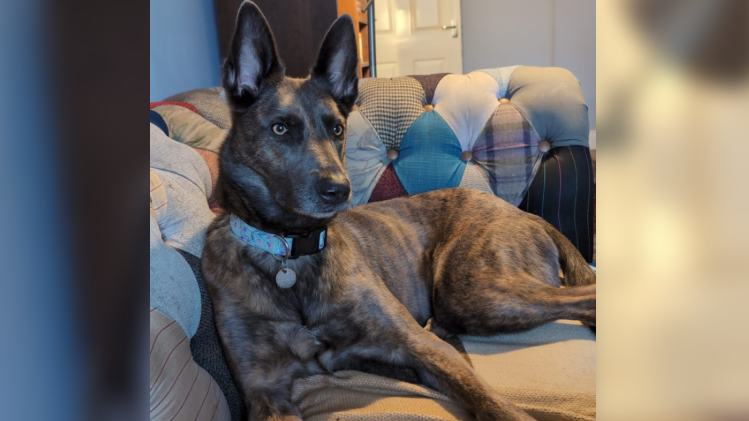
[
  {"x": 669, "y": 95},
  {"x": 673, "y": 102}
]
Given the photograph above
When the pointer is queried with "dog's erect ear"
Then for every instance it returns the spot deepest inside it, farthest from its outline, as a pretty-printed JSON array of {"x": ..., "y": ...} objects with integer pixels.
[
  {"x": 337, "y": 63},
  {"x": 252, "y": 59}
]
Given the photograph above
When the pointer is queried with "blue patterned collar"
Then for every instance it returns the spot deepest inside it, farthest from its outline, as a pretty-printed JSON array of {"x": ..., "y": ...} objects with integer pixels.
[{"x": 291, "y": 246}]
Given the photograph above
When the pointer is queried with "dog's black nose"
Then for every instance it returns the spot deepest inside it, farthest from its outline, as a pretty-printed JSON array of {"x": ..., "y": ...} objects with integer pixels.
[{"x": 332, "y": 191}]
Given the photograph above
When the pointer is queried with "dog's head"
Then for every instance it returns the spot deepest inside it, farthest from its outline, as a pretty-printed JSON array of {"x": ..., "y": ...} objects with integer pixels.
[{"x": 283, "y": 163}]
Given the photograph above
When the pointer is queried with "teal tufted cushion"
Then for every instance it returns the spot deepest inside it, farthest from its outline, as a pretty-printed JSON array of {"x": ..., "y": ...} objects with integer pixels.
[{"x": 427, "y": 156}]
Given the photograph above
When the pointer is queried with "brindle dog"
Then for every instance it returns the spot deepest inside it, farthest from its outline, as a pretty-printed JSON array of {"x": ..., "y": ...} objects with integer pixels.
[{"x": 465, "y": 259}]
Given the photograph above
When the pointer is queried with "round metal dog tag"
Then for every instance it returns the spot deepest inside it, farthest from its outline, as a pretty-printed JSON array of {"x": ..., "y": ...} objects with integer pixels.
[{"x": 285, "y": 278}]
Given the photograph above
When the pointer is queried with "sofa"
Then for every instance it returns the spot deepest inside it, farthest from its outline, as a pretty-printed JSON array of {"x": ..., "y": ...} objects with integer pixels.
[{"x": 519, "y": 132}]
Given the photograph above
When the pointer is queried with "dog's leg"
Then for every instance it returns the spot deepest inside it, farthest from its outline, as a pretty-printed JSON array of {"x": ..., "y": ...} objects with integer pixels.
[
  {"x": 510, "y": 305},
  {"x": 441, "y": 367},
  {"x": 265, "y": 358},
  {"x": 267, "y": 390}
]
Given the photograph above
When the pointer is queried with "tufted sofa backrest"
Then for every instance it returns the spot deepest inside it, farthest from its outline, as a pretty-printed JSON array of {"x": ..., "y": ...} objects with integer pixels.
[{"x": 487, "y": 129}]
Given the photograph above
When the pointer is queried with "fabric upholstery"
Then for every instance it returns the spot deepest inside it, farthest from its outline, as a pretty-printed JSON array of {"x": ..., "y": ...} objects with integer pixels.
[
  {"x": 563, "y": 193},
  {"x": 548, "y": 371},
  {"x": 209, "y": 103},
  {"x": 173, "y": 288},
  {"x": 502, "y": 76},
  {"x": 190, "y": 128},
  {"x": 177, "y": 103},
  {"x": 391, "y": 105},
  {"x": 466, "y": 102},
  {"x": 388, "y": 187},
  {"x": 427, "y": 156},
  {"x": 179, "y": 388},
  {"x": 429, "y": 84},
  {"x": 158, "y": 120},
  {"x": 180, "y": 183},
  {"x": 366, "y": 157},
  {"x": 474, "y": 179},
  {"x": 507, "y": 152},
  {"x": 552, "y": 100},
  {"x": 499, "y": 115},
  {"x": 206, "y": 348},
  {"x": 187, "y": 182}
]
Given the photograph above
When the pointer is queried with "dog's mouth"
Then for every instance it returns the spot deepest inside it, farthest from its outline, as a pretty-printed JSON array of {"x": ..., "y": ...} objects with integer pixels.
[{"x": 322, "y": 214}]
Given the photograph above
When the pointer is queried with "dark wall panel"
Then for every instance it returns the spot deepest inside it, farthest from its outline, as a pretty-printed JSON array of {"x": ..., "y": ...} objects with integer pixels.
[{"x": 298, "y": 26}]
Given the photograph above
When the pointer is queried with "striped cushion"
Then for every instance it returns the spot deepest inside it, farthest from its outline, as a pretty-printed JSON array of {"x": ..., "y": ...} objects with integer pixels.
[{"x": 180, "y": 389}]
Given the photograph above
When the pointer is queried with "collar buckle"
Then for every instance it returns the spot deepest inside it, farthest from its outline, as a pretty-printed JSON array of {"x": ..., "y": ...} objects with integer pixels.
[{"x": 309, "y": 243}]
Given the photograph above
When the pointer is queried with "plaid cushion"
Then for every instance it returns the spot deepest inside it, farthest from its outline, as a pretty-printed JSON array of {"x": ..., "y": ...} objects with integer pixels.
[
  {"x": 507, "y": 152},
  {"x": 391, "y": 105}
]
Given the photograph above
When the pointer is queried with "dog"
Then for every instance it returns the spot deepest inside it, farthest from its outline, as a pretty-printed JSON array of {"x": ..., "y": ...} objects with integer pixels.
[{"x": 303, "y": 285}]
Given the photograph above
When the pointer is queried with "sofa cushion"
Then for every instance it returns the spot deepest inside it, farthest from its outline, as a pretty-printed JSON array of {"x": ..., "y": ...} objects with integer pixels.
[
  {"x": 427, "y": 159},
  {"x": 179, "y": 388},
  {"x": 469, "y": 127},
  {"x": 506, "y": 152},
  {"x": 553, "y": 102},
  {"x": 187, "y": 184},
  {"x": 548, "y": 371},
  {"x": 173, "y": 288},
  {"x": 206, "y": 347},
  {"x": 498, "y": 115},
  {"x": 189, "y": 127},
  {"x": 366, "y": 157},
  {"x": 209, "y": 103},
  {"x": 466, "y": 102},
  {"x": 392, "y": 105}
]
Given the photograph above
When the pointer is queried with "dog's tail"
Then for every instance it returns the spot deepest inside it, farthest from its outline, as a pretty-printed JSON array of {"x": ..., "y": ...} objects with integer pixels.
[{"x": 576, "y": 270}]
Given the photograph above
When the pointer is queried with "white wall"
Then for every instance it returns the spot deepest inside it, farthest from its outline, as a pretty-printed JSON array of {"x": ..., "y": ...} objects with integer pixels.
[
  {"x": 559, "y": 33},
  {"x": 184, "y": 47}
]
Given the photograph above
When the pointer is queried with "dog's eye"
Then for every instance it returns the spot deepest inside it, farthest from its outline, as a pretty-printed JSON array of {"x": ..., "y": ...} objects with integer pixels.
[
  {"x": 338, "y": 130},
  {"x": 279, "y": 129}
]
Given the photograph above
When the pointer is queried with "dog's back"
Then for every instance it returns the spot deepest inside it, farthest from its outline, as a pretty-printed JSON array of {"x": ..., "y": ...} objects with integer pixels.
[{"x": 412, "y": 242}]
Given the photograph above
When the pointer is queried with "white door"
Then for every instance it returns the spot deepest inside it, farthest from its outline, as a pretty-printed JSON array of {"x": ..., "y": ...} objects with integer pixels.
[{"x": 418, "y": 37}]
